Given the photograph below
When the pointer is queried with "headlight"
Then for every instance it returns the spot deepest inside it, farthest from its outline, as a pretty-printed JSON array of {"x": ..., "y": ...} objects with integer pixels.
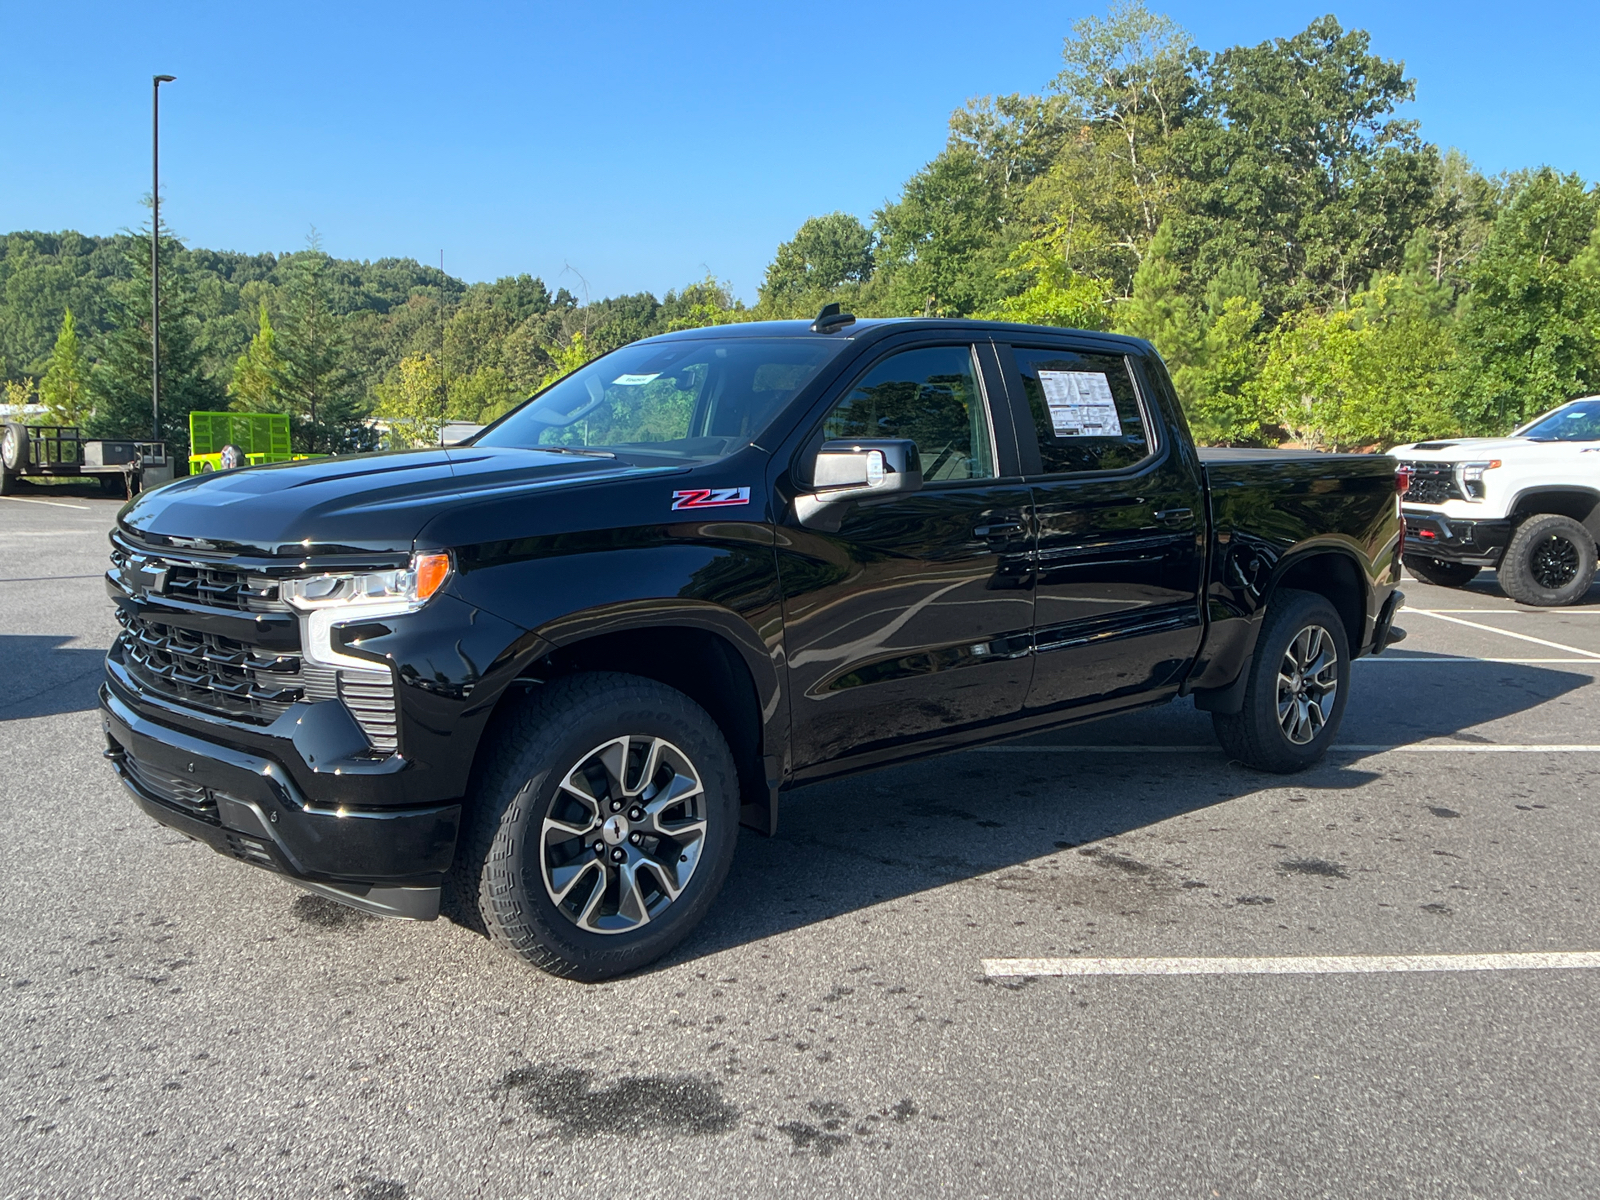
[
  {"x": 1472, "y": 478},
  {"x": 325, "y": 601}
]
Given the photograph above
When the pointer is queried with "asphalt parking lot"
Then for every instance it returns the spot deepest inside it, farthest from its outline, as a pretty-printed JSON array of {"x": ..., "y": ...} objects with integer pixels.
[{"x": 850, "y": 1020}]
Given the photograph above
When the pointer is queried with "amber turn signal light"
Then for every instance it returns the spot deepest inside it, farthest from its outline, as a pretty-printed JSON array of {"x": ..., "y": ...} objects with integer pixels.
[{"x": 432, "y": 570}]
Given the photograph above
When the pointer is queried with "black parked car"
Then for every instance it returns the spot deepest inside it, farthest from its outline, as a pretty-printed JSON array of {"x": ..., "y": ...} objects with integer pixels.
[{"x": 556, "y": 667}]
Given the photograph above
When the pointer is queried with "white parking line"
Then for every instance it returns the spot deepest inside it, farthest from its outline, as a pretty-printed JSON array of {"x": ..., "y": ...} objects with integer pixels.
[
  {"x": 52, "y": 503},
  {"x": 1401, "y": 748},
  {"x": 1521, "y": 637},
  {"x": 1415, "y": 658},
  {"x": 1517, "y": 612},
  {"x": 1329, "y": 964}
]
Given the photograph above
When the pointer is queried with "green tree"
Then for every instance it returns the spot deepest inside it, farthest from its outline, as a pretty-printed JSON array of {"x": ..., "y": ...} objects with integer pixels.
[
  {"x": 1296, "y": 167},
  {"x": 316, "y": 380},
  {"x": 1055, "y": 295},
  {"x": 1129, "y": 84},
  {"x": 709, "y": 302},
  {"x": 65, "y": 386},
  {"x": 825, "y": 254},
  {"x": 408, "y": 403},
  {"x": 1531, "y": 326},
  {"x": 256, "y": 372},
  {"x": 1213, "y": 348},
  {"x": 120, "y": 378},
  {"x": 1379, "y": 372}
]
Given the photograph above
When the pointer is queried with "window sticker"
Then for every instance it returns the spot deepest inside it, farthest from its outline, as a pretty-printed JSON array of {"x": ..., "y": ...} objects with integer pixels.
[
  {"x": 1081, "y": 404},
  {"x": 634, "y": 380}
]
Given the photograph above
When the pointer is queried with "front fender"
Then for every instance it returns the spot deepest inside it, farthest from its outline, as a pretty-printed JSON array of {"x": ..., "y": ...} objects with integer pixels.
[{"x": 718, "y": 576}]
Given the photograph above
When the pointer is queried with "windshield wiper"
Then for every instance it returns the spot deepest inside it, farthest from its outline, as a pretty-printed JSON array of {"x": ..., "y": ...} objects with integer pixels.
[{"x": 583, "y": 450}]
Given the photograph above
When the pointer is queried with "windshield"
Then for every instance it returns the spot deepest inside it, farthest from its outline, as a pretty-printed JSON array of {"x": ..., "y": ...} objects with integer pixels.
[
  {"x": 1578, "y": 422},
  {"x": 692, "y": 400}
]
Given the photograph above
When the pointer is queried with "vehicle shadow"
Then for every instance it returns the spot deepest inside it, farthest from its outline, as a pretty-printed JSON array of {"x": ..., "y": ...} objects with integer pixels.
[
  {"x": 44, "y": 679},
  {"x": 848, "y": 844},
  {"x": 1487, "y": 585}
]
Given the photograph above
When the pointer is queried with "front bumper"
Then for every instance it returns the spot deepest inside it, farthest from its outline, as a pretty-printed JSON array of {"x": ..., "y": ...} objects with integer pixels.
[
  {"x": 247, "y": 806},
  {"x": 1451, "y": 539}
]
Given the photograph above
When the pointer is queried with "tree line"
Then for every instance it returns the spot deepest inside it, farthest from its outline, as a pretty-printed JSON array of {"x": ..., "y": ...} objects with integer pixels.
[{"x": 1309, "y": 266}]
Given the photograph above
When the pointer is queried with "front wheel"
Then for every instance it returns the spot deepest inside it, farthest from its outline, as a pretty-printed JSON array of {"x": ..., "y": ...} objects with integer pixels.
[
  {"x": 1550, "y": 562},
  {"x": 603, "y": 826},
  {"x": 1295, "y": 693},
  {"x": 1440, "y": 573}
]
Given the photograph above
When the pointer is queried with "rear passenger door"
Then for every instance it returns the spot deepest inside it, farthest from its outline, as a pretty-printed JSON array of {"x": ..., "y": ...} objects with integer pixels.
[
  {"x": 1119, "y": 514},
  {"x": 914, "y": 618}
]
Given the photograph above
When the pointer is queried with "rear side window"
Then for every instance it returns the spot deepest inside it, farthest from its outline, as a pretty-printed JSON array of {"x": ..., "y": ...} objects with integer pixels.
[{"x": 1085, "y": 410}]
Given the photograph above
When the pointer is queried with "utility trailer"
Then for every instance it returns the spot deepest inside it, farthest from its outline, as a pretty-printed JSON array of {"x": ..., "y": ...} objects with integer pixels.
[
  {"x": 62, "y": 450},
  {"x": 220, "y": 440}
]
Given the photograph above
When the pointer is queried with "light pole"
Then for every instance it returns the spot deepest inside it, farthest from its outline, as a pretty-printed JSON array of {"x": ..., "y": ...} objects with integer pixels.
[{"x": 155, "y": 253}]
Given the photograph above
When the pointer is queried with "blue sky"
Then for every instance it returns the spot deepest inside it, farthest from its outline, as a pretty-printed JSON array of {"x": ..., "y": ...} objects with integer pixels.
[{"x": 621, "y": 147}]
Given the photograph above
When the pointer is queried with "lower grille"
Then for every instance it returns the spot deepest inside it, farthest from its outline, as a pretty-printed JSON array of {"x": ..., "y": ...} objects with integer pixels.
[
  {"x": 250, "y": 850},
  {"x": 175, "y": 790}
]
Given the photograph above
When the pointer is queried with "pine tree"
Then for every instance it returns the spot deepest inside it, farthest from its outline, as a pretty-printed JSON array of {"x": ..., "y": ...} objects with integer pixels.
[
  {"x": 65, "y": 387},
  {"x": 120, "y": 381},
  {"x": 315, "y": 380},
  {"x": 254, "y": 387}
]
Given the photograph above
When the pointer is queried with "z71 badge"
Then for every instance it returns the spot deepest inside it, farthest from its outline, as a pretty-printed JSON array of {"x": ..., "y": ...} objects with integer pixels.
[{"x": 709, "y": 498}]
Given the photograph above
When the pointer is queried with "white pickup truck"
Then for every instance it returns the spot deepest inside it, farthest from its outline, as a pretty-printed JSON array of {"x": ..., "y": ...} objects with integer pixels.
[{"x": 1527, "y": 505}]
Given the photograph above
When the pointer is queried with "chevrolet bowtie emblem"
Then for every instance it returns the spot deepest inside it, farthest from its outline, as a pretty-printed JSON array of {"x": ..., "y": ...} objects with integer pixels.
[{"x": 148, "y": 578}]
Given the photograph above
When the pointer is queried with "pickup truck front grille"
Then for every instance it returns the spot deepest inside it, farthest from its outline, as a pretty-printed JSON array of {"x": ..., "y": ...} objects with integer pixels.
[
  {"x": 226, "y": 676},
  {"x": 1432, "y": 483},
  {"x": 220, "y": 587},
  {"x": 210, "y": 584},
  {"x": 209, "y": 672}
]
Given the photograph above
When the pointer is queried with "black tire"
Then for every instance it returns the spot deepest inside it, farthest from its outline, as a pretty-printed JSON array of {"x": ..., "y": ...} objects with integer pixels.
[
  {"x": 536, "y": 749},
  {"x": 1256, "y": 734},
  {"x": 8, "y": 481},
  {"x": 14, "y": 447},
  {"x": 1550, "y": 562},
  {"x": 113, "y": 485},
  {"x": 1440, "y": 573}
]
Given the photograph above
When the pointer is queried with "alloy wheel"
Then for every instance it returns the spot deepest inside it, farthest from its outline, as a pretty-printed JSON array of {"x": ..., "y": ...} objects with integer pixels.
[
  {"x": 1308, "y": 684},
  {"x": 1554, "y": 563},
  {"x": 623, "y": 835}
]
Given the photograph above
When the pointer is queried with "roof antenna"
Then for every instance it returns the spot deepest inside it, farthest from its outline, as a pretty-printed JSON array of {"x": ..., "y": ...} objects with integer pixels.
[{"x": 830, "y": 318}]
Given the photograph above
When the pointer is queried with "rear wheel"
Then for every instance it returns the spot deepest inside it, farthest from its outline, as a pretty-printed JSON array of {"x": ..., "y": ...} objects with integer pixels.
[
  {"x": 14, "y": 446},
  {"x": 1295, "y": 693},
  {"x": 1440, "y": 573},
  {"x": 13, "y": 455},
  {"x": 602, "y": 827},
  {"x": 1550, "y": 562}
]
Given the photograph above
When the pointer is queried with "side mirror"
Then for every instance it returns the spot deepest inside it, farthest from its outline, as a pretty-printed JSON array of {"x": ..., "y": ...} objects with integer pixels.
[{"x": 857, "y": 470}]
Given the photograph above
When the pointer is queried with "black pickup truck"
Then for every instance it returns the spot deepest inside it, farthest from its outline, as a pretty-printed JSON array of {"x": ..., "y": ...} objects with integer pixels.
[{"x": 557, "y": 667}]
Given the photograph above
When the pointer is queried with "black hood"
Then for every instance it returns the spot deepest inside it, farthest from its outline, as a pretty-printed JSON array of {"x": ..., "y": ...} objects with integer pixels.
[{"x": 364, "y": 503}]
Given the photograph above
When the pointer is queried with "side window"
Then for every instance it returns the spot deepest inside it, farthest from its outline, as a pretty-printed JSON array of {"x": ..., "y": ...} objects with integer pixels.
[
  {"x": 1085, "y": 409},
  {"x": 930, "y": 396}
]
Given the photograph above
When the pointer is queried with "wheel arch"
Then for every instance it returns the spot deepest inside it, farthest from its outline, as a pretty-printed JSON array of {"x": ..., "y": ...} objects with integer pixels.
[
  {"x": 1580, "y": 503},
  {"x": 706, "y": 652},
  {"x": 1334, "y": 573}
]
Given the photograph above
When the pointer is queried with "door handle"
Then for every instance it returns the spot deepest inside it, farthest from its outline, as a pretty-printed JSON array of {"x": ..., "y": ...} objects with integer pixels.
[
  {"x": 1174, "y": 514},
  {"x": 997, "y": 530}
]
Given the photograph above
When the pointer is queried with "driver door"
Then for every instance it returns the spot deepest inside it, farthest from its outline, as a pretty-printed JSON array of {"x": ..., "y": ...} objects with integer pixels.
[{"x": 914, "y": 618}]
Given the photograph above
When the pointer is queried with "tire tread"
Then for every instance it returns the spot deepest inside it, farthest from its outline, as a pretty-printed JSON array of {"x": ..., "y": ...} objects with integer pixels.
[{"x": 511, "y": 777}]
